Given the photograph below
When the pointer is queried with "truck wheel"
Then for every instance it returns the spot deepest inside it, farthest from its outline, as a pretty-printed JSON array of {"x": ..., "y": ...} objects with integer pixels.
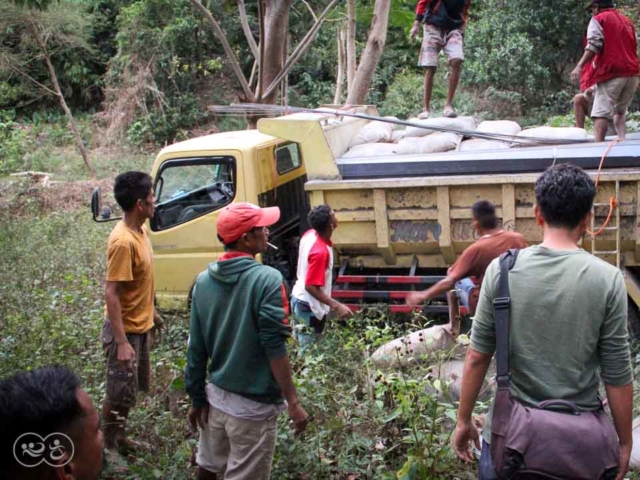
[{"x": 633, "y": 321}]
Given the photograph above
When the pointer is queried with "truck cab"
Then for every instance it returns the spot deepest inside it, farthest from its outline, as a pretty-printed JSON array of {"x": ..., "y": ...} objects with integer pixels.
[{"x": 196, "y": 178}]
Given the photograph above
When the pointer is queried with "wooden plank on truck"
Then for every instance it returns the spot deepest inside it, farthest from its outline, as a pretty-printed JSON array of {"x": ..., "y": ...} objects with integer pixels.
[
  {"x": 444, "y": 220},
  {"x": 382, "y": 226}
]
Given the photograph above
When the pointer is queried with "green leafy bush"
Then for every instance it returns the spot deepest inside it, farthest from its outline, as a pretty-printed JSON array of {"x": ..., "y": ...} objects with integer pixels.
[{"x": 14, "y": 142}]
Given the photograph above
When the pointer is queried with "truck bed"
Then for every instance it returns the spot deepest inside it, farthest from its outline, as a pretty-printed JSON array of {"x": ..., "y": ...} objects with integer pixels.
[{"x": 501, "y": 161}]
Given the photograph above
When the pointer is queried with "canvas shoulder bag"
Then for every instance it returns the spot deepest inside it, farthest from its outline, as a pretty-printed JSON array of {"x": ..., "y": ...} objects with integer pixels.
[{"x": 553, "y": 440}]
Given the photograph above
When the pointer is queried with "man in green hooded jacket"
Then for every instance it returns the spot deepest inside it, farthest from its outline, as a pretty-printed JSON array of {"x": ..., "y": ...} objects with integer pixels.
[{"x": 238, "y": 331}]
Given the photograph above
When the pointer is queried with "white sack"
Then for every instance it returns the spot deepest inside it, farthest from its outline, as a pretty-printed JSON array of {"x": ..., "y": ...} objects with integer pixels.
[
  {"x": 409, "y": 349},
  {"x": 374, "y": 132},
  {"x": 450, "y": 376},
  {"x": 398, "y": 135},
  {"x": 460, "y": 123},
  {"x": 436, "y": 143},
  {"x": 477, "y": 144},
  {"x": 555, "y": 133},
  {"x": 371, "y": 150},
  {"x": 502, "y": 127}
]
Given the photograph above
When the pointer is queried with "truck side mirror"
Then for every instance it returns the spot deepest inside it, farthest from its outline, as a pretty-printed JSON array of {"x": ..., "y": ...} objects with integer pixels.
[{"x": 100, "y": 214}]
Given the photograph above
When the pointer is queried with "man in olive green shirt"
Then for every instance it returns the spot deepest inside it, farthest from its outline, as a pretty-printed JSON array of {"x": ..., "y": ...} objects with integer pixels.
[{"x": 568, "y": 321}]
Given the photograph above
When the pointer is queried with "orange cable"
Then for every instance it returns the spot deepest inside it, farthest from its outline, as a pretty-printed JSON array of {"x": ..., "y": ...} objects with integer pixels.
[{"x": 613, "y": 202}]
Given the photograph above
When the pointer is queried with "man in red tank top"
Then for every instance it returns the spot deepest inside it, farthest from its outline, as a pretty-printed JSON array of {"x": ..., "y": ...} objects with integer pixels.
[{"x": 612, "y": 48}]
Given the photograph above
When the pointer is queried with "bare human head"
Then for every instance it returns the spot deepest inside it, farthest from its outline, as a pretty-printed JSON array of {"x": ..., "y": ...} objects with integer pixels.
[
  {"x": 564, "y": 198},
  {"x": 51, "y": 430},
  {"x": 484, "y": 217},
  {"x": 134, "y": 193},
  {"x": 323, "y": 220}
]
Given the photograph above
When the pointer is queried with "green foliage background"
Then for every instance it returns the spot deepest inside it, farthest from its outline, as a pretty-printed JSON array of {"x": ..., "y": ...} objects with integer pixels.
[{"x": 522, "y": 51}]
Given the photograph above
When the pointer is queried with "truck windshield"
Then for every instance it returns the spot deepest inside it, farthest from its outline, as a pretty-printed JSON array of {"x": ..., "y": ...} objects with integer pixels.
[{"x": 188, "y": 188}]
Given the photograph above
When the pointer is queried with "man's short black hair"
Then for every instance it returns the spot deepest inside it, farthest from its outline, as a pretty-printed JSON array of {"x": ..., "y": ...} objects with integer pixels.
[
  {"x": 42, "y": 401},
  {"x": 600, "y": 3},
  {"x": 130, "y": 187},
  {"x": 564, "y": 194},
  {"x": 320, "y": 218},
  {"x": 484, "y": 212}
]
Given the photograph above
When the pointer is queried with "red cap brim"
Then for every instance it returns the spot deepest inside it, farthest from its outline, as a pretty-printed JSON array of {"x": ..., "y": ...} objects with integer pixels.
[{"x": 268, "y": 216}]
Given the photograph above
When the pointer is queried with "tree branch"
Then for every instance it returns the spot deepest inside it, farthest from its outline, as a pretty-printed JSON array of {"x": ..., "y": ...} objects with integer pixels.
[
  {"x": 235, "y": 65},
  {"x": 244, "y": 21},
  {"x": 313, "y": 14},
  {"x": 44, "y": 87},
  {"x": 300, "y": 49},
  {"x": 63, "y": 103}
]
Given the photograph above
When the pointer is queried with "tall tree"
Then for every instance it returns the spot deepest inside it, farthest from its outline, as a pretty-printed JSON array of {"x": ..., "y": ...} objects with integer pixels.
[
  {"x": 269, "y": 52},
  {"x": 44, "y": 25},
  {"x": 372, "y": 52}
]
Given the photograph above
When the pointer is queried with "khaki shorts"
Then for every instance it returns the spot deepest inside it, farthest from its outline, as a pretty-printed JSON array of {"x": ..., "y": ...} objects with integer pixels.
[
  {"x": 124, "y": 381},
  {"x": 236, "y": 448},
  {"x": 434, "y": 40},
  {"x": 614, "y": 97}
]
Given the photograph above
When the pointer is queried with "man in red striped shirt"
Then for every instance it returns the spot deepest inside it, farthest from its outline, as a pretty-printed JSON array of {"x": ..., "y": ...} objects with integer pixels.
[
  {"x": 444, "y": 23},
  {"x": 311, "y": 297}
]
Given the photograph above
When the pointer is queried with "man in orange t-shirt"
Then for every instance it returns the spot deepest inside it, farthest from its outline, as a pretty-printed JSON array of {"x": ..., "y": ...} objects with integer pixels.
[
  {"x": 130, "y": 313},
  {"x": 467, "y": 272}
]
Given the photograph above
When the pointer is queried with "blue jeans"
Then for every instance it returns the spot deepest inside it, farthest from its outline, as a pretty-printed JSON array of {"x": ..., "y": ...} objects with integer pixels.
[
  {"x": 464, "y": 288},
  {"x": 485, "y": 468},
  {"x": 303, "y": 317}
]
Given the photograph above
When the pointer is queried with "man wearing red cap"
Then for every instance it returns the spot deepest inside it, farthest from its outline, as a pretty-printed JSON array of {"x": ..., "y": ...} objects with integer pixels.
[{"x": 238, "y": 332}]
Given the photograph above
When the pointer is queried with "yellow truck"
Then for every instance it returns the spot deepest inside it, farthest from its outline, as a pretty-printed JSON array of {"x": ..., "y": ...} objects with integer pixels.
[{"x": 402, "y": 220}]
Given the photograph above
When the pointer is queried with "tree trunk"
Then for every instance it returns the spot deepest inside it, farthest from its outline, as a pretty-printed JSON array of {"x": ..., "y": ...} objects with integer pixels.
[
  {"x": 371, "y": 54},
  {"x": 337, "y": 99},
  {"x": 301, "y": 48},
  {"x": 56, "y": 86},
  {"x": 351, "y": 44},
  {"x": 276, "y": 28}
]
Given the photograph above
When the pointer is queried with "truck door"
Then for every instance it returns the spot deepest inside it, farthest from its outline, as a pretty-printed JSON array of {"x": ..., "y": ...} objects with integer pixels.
[{"x": 189, "y": 192}]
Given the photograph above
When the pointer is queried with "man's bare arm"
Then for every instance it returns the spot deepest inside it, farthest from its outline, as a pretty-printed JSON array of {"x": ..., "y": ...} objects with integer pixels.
[
  {"x": 621, "y": 404},
  {"x": 322, "y": 297},
  {"x": 443, "y": 286},
  {"x": 476, "y": 365},
  {"x": 281, "y": 369},
  {"x": 114, "y": 315}
]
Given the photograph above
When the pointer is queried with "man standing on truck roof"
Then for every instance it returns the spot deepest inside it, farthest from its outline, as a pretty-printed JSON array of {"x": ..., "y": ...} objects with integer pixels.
[
  {"x": 130, "y": 313},
  {"x": 239, "y": 327},
  {"x": 612, "y": 49},
  {"x": 568, "y": 321},
  {"x": 467, "y": 272},
  {"x": 444, "y": 23},
  {"x": 311, "y": 296}
]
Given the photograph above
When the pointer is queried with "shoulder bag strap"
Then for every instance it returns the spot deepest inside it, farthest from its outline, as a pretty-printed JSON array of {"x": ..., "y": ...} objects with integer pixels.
[{"x": 501, "y": 310}]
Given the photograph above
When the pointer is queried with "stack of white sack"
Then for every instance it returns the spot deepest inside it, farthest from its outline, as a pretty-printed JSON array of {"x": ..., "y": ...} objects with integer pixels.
[
  {"x": 459, "y": 123},
  {"x": 374, "y": 132},
  {"x": 498, "y": 127},
  {"x": 436, "y": 143},
  {"x": 371, "y": 150},
  {"x": 555, "y": 133}
]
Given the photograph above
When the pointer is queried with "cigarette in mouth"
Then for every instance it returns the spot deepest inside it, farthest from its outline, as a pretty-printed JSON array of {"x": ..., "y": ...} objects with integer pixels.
[{"x": 272, "y": 246}]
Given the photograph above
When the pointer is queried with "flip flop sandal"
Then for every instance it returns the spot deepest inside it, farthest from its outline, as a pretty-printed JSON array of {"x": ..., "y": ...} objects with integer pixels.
[
  {"x": 449, "y": 112},
  {"x": 424, "y": 115}
]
